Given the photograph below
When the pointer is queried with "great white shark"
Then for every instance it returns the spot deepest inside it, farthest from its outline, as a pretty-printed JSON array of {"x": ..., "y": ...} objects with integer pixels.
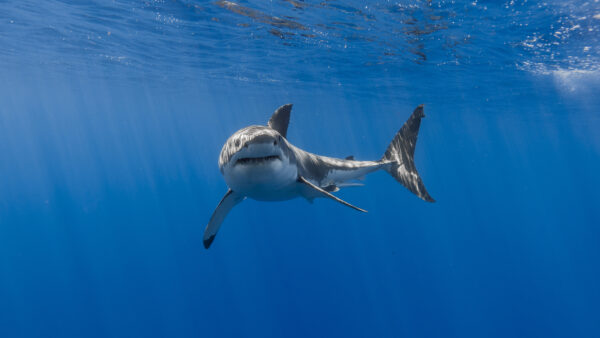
[{"x": 259, "y": 162}]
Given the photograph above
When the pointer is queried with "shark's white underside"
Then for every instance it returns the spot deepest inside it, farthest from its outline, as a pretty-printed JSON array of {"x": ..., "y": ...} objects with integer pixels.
[{"x": 274, "y": 180}]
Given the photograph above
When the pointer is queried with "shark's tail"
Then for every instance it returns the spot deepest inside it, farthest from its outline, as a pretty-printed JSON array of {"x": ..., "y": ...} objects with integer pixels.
[{"x": 400, "y": 154}]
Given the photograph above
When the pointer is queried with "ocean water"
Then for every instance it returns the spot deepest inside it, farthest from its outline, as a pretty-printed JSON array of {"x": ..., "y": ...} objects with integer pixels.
[{"x": 113, "y": 114}]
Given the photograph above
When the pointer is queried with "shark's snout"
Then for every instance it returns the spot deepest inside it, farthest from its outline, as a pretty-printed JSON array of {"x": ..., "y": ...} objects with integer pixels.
[
  {"x": 256, "y": 153},
  {"x": 253, "y": 145}
]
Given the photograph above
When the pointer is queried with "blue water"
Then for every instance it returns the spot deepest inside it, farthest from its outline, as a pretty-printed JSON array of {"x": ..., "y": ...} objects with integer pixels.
[{"x": 113, "y": 114}]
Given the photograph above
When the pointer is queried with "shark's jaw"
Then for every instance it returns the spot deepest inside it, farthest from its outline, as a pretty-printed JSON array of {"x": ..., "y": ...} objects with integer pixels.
[
  {"x": 257, "y": 160},
  {"x": 262, "y": 167}
]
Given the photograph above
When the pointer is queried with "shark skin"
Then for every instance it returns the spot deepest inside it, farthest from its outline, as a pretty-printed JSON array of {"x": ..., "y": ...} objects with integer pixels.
[{"x": 259, "y": 162}]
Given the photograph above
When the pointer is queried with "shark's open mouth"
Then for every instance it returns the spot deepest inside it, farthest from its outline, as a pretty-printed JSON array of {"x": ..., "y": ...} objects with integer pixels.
[{"x": 257, "y": 160}]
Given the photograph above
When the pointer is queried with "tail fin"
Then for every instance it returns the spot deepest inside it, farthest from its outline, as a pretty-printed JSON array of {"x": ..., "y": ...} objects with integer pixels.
[{"x": 401, "y": 153}]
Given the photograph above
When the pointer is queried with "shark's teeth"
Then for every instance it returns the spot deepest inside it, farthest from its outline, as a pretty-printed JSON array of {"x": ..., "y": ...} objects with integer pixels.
[{"x": 257, "y": 160}]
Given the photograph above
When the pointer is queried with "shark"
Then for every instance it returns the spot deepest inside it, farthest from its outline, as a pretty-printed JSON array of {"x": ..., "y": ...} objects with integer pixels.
[{"x": 258, "y": 162}]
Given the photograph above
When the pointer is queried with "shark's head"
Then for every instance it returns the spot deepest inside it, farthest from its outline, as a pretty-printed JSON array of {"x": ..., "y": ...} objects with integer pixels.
[{"x": 257, "y": 158}]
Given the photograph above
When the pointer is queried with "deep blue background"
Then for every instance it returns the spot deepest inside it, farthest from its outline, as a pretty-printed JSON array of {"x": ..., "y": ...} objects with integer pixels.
[{"x": 108, "y": 169}]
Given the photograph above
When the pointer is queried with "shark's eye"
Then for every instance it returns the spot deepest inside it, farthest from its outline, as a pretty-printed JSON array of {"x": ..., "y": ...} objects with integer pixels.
[
  {"x": 275, "y": 142},
  {"x": 245, "y": 145},
  {"x": 237, "y": 143}
]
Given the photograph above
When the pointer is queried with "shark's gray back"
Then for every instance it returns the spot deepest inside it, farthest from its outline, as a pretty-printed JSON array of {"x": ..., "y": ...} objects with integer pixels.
[{"x": 325, "y": 170}]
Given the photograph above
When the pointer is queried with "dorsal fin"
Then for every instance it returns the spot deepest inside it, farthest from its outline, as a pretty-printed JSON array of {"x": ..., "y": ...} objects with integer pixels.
[
  {"x": 281, "y": 118},
  {"x": 350, "y": 158}
]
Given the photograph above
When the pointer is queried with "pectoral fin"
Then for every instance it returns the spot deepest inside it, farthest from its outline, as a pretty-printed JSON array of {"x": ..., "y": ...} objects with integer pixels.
[
  {"x": 322, "y": 192},
  {"x": 230, "y": 199}
]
